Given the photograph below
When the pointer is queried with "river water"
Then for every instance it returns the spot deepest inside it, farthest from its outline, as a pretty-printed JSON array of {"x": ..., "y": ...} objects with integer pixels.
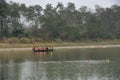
[{"x": 61, "y": 64}]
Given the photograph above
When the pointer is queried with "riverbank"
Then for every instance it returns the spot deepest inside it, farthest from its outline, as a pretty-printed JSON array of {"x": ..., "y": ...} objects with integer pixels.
[
  {"x": 53, "y": 43},
  {"x": 64, "y": 47}
]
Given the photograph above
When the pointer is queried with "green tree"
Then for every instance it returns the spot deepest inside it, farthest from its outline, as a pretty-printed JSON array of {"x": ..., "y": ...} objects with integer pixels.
[
  {"x": 59, "y": 22},
  {"x": 50, "y": 21},
  {"x": 3, "y": 8},
  {"x": 33, "y": 16}
]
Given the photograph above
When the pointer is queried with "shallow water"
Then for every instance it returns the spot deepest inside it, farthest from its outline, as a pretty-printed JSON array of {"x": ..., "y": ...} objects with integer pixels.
[{"x": 65, "y": 64}]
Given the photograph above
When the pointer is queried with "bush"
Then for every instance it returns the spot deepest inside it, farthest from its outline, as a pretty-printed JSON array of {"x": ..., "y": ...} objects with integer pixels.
[
  {"x": 59, "y": 41},
  {"x": 11, "y": 40},
  {"x": 25, "y": 40},
  {"x": 36, "y": 40},
  {"x": 15, "y": 40}
]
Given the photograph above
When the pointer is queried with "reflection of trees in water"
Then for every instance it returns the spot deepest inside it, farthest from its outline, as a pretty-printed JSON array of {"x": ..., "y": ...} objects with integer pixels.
[
  {"x": 82, "y": 71},
  {"x": 31, "y": 71},
  {"x": 1, "y": 70},
  {"x": 61, "y": 70},
  {"x": 9, "y": 71}
]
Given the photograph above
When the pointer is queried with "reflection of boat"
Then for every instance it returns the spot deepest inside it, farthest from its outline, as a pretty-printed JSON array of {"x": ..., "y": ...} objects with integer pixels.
[{"x": 47, "y": 50}]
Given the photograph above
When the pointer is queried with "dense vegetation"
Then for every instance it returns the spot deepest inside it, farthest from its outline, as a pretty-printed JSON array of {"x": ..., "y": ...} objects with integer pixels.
[{"x": 59, "y": 22}]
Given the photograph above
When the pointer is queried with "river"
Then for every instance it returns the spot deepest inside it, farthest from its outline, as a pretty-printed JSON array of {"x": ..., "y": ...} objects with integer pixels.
[{"x": 61, "y": 64}]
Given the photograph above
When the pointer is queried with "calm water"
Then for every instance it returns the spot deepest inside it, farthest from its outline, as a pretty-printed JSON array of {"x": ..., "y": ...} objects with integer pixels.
[{"x": 70, "y": 64}]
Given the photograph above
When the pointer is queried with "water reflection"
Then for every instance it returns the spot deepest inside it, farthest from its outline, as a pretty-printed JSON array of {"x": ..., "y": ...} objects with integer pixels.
[
  {"x": 60, "y": 65},
  {"x": 40, "y": 54},
  {"x": 25, "y": 71}
]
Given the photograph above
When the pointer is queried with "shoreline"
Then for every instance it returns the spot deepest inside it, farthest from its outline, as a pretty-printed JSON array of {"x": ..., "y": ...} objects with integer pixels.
[{"x": 65, "y": 47}]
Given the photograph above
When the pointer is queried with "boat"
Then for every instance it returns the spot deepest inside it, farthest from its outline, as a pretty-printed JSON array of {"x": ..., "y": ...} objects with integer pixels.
[
  {"x": 43, "y": 49},
  {"x": 47, "y": 50}
]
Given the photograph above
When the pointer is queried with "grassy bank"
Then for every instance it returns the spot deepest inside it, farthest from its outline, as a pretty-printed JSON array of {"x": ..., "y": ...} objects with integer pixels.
[{"x": 59, "y": 43}]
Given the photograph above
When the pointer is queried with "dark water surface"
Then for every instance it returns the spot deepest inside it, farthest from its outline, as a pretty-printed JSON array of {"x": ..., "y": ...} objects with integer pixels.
[{"x": 69, "y": 64}]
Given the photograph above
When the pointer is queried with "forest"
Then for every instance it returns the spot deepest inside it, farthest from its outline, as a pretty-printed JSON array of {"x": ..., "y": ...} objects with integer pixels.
[{"x": 65, "y": 23}]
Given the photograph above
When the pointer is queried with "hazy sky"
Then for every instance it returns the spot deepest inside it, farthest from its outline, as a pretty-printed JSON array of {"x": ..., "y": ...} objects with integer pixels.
[{"x": 78, "y": 3}]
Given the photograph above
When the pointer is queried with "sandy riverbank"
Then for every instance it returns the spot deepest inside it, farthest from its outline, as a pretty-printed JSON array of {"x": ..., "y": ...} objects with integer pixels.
[{"x": 65, "y": 47}]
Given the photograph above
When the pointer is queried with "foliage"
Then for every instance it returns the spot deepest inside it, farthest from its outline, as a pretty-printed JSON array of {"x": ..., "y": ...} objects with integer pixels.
[
  {"x": 11, "y": 40},
  {"x": 59, "y": 23}
]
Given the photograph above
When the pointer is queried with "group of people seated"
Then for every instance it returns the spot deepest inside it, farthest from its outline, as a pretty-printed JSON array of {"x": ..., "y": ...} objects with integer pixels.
[{"x": 42, "y": 48}]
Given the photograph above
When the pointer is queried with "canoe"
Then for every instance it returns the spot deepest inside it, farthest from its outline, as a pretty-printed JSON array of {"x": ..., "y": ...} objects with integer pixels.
[{"x": 48, "y": 50}]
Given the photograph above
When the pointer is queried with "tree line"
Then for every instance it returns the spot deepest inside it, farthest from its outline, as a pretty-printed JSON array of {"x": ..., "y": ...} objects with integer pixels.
[{"x": 61, "y": 22}]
